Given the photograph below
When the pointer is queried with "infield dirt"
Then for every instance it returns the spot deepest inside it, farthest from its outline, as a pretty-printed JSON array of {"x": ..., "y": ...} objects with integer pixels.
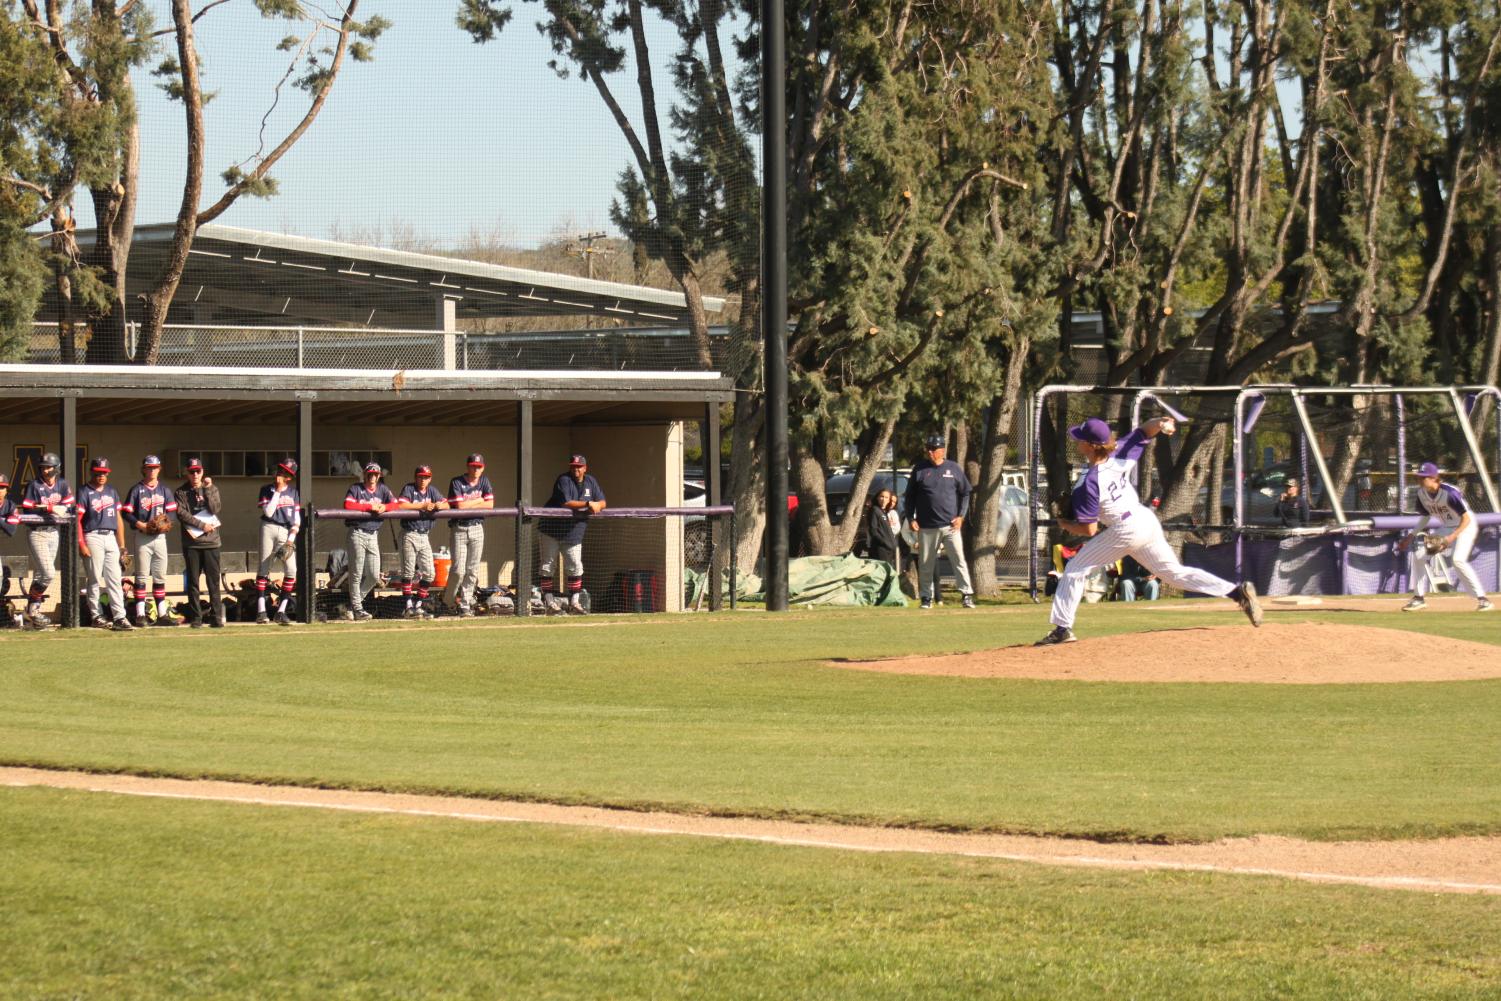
[{"x": 1294, "y": 653}]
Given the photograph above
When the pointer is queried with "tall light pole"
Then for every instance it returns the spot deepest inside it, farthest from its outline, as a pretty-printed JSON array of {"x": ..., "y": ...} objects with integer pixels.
[{"x": 774, "y": 292}]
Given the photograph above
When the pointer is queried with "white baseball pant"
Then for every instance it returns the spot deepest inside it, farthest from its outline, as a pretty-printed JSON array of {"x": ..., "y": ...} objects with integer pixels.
[
  {"x": 1459, "y": 556},
  {"x": 364, "y": 566},
  {"x": 104, "y": 572},
  {"x": 929, "y": 541},
  {"x": 1141, "y": 536},
  {"x": 416, "y": 556}
]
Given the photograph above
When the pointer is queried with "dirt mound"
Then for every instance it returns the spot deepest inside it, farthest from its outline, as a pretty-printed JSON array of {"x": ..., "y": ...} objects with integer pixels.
[{"x": 1302, "y": 653}]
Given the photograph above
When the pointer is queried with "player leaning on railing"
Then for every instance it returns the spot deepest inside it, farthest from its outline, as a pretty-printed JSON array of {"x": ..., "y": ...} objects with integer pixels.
[
  {"x": 1108, "y": 512},
  {"x": 1444, "y": 502}
]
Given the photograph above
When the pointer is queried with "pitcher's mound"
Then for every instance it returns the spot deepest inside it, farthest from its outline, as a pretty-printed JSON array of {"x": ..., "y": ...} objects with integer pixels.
[{"x": 1302, "y": 653}]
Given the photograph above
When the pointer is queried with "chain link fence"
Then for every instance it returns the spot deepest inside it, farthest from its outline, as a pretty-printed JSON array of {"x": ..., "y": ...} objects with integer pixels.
[{"x": 647, "y": 349}]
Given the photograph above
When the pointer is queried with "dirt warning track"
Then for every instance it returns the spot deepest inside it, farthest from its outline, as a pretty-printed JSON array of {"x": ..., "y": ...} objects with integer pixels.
[
  {"x": 1450, "y": 865},
  {"x": 1291, "y": 653}
]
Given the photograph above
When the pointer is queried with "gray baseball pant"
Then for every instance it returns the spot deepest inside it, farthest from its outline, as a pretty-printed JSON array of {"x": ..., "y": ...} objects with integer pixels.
[
  {"x": 104, "y": 571},
  {"x": 463, "y": 574},
  {"x": 272, "y": 537},
  {"x": 929, "y": 541},
  {"x": 151, "y": 558},
  {"x": 42, "y": 541},
  {"x": 364, "y": 565},
  {"x": 573, "y": 560},
  {"x": 416, "y": 556}
]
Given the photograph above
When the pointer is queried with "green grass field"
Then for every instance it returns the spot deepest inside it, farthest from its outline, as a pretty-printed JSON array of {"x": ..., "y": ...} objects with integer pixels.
[{"x": 731, "y": 714}]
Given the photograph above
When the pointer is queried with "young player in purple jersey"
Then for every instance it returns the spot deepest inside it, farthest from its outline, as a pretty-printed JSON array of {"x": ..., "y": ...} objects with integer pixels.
[
  {"x": 149, "y": 507},
  {"x": 374, "y": 497},
  {"x": 1444, "y": 502},
  {"x": 50, "y": 498},
  {"x": 417, "y": 570},
  {"x": 101, "y": 540},
  {"x": 1108, "y": 512}
]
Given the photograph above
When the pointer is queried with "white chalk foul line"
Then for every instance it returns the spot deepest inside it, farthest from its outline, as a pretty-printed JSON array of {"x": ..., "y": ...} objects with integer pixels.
[{"x": 1074, "y": 861}]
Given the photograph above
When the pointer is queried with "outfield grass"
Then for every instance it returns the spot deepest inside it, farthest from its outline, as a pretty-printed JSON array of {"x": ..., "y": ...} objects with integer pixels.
[
  {"x": 121, "y": 898},
  {"x": 733, "y": 714}
]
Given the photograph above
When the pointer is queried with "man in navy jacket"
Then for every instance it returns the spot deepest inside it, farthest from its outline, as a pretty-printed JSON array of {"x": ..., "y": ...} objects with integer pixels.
[{"x": 937, "y": 501}]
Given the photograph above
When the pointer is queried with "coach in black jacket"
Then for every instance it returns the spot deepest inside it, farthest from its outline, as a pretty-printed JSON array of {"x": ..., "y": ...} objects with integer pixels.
[
  {"x": 198, "y": 500},
  {"x": 937, "y": 501}
]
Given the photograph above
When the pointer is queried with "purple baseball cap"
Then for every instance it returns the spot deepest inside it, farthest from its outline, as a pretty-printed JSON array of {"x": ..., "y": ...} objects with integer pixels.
[
  {"x": 1093, "y": 431},
  {"x": 1428, "y": 469}
]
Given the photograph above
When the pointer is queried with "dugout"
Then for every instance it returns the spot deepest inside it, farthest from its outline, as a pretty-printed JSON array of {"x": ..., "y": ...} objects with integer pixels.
[{"x": 631, "y": 425}]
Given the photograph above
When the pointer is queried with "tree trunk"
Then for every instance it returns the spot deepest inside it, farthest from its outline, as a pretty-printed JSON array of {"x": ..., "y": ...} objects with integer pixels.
[
  {"x": 985, "y": 508},
  {"x": 114, "y": 215},
  {"x": 823, "y": 537}
]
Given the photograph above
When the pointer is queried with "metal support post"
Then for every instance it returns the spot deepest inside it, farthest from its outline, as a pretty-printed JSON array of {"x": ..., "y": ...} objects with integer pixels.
[
  {"x": 710, "y": 440},
  {"x": 1476, "y": 452},
  {"x": 67, "y": 535},
  {"x": 307, "y": 589},
  {"x": 1336, "y": 503},
  {"x": 774, "y": 293},
  {"x": 523, "y": 501}
]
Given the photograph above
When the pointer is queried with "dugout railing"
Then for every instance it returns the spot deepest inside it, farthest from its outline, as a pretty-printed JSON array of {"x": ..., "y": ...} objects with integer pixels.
[
  {"x": 689, "y": 547},
  {"x": 1355, "y": 444}
]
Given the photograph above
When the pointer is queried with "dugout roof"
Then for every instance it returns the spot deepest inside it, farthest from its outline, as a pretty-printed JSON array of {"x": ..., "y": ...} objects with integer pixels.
[{"x": 272, "y": 277}]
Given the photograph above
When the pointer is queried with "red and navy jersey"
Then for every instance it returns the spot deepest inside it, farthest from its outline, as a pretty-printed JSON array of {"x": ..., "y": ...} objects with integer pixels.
[
  {"x": 98, "y": 508},
  {"x": 359, "y": 499},
  {"x": 570, "y": 531},
  {"x": 280, "y": 507},
  {"x": 423, "y": 524},
  {"x": 10, "y": 516},
  {"x": 462, "y": 490},
  {"x": 143, "y": 502},
  {"x": 39, "y": 493}
]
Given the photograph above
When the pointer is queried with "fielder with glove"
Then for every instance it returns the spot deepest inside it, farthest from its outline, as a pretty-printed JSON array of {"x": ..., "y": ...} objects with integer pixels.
[
  {"x": 281, "y": 520},
  {"x": 149, "y": 507},
  {"x": 1442, "y": 501}
]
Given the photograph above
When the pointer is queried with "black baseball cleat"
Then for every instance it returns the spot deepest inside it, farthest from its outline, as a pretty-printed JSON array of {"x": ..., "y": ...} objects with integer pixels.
[
  {"x": 1245, "y": 596},
  {"x": 1417, "y": 604},
  {"x": 122, "y": 625},
  {"x": 261, "y": 618},
  {"x": 1060, "y": 634},
  {"x": 283, "y": 619}
]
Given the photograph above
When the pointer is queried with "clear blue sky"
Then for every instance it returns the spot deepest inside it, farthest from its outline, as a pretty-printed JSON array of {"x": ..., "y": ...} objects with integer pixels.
[{"x": 438, "y": 133}]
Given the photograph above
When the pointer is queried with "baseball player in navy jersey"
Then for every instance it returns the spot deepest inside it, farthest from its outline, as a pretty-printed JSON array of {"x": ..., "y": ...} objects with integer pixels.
[
  {"x": 101, "y": 540},
  {"x": 582, "y": 494},
  {"x": 10, "y": 519},
  {"x": 470, "y": 492},
  {"x": 149, "y": 507},
  {"x": 373, "y": 496},
  {"x": 417, "y": 570},
  {"x": 1443, "y": 501},
  {"x": 281, "y": 520},
  {"x": 49, "y": 497},
  {"x": 1109, "y": 513}
]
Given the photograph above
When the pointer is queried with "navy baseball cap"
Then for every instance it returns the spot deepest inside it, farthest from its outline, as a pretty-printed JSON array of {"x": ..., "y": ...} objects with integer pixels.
[
  {"x": 4, "y": 480},
  {"x": 1428, "y": 469},
  {"x": 287, "y": 466},
  {"x": 372, "y": 467},
  {"x": 151, "y": 461},
  {"x": 423, "y": 471},
  {"x": 933, "y": 441},
  {"x": 99, "y": 465},
  {"x": 192, "y": 463},
  {"x": 1093, "y": 431},
  {"x": 475, "y": 460},
  {"x": 577, "y": 460}
]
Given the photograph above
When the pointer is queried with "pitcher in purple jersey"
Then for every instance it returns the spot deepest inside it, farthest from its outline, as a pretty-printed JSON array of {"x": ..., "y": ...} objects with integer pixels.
[
  {"x": 1444, "y": 503},
  {"x": 1108, "y": 512}
]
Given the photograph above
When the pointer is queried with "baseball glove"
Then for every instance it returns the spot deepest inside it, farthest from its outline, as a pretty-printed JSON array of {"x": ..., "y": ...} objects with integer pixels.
[
  {"x": 1435, "y": 544},
  {"x": 1061, "y": 508},
  {"x": 126, "y": 562},
  {"x": 286, "y": 551},
  {"x": 158, "y": 524}
]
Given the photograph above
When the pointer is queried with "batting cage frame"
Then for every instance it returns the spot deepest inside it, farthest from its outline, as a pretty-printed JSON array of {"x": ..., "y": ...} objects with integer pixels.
[{"x": 1355, "y": 547}]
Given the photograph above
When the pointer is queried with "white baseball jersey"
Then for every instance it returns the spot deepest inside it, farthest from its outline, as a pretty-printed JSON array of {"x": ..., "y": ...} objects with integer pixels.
[
  {"x": 1447, "y": 505},
  {"x": 1106, "y": 493}
]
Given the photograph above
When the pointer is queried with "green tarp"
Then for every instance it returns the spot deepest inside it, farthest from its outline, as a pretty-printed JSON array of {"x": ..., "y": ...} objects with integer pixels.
[{"x": 820, "y": 580}]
